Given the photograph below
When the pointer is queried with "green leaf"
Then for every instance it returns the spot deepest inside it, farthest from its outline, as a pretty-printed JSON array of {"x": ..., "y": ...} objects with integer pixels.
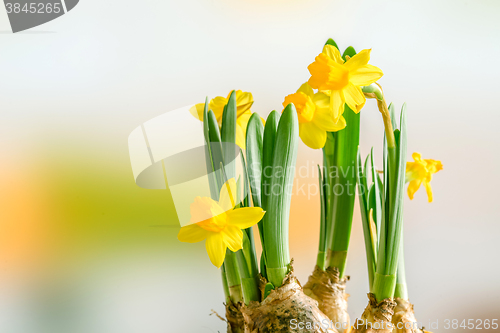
[
  {"x": 267, "y": 165},
  {"x": 228, "y": 136},
  {"x": 350, "y": 52},
  {"x": 377, "y": 203},
  {"x": 346, "y": 148},
  {"x": 216, "y": 150},
  {"x": 322, "y": 240},
  {"x": 392, "y": 112},
  {"x": 263, "y": 270},
  {"x": 246, "y": 185},
  {"x": 254, "y": 142},
  {"x": 277, "y": 209},
  {"x": 268, "y": 154},
  {"x": 332, "y": 42},
  {"x": 363, "y": 194},
  {"x": 267, "y": 289},
  {"x": 212, "y": 181}
]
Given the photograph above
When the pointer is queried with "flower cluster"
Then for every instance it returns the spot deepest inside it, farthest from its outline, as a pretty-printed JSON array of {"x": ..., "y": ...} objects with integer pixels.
[{"x": 338, "y": 82}]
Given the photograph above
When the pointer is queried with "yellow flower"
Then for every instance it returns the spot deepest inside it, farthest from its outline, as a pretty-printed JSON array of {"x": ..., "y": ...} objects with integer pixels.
[
  {"x": 314, "y": 116},
  {"x": 244, "y": 101},
  {"x": 219, "y": 223},
  {"x": 341, "y": 80},
  {"x": 421, "y": 171}
]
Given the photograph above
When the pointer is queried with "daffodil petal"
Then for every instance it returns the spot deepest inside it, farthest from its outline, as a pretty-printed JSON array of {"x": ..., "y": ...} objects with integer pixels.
[
  {"x": 365, "y": 75},
  {"x": 241, "y": 128},
  {"x": 244, "y": 101},
  {"x": 216, "y": 249},
  {"x": 428, "y": 189},
  {"x": 413, "y": 187},
  {"x": 323, "y": 117},
  {"x": 358, "y": 60},
  {"x": 321, "y": 100},
  {"x": 324, "y": 120},
  {"x": 306, "y": 89},
  {"x": 233, "y": 237},
  {"x": 228, "y": 195},
  {"x": 217, "y": 106},
  {"x": 333, "y": 53},
  {"x": 313, "y": 136},
  {"x": 204, "y": 208},
  {"x": 353, "y": 97},
  {"x": 336, "y": 104},
  {"x": 192, "y": 234},
  {"x": 240, "y": 137},
  {"x": 197, "y": 111},
  {"x": 417, "y": 157},
  {"x": 244, "y": 218}
]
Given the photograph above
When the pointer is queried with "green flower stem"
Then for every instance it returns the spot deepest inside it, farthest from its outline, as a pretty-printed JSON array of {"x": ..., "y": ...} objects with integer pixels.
[
  {"x": 378, "y": 93},
  {"x": 343, "y": 192},
  {"x": 401, "y": 286},
  {"x": 392, "y": 215},
  {"x": 233, "y": 277},
  {"x": 225, "y": 286},
  {"x": 321, "y": 260},
  {"x": 249, "y": 282},
  {"x": 384, "y": 286},
  {"x": 277, "y": 275},
  {"x": 338, "y": 259},
  {"x": 364, "y": 205}
]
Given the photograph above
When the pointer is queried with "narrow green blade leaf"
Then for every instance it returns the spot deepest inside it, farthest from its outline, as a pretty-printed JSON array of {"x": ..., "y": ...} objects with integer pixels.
[
  {"x": 228, "y": 136},
  {"x": 277, "y": 214},
  {"x": 392, "y": 112},
  {"x": 377, "y": 204},
  {"x": 216, "y": 150},
  {"x": 212, "y": 181},
  {"x": 363, "y": 193},
  {"x": 268, "y": 154},
  {"x": 254, "y": 147}
]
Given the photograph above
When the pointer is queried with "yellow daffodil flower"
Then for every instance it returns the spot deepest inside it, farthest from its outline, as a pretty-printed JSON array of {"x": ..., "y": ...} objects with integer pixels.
[
  {"x": 219, "y": 223},
  {"x": 314, "y": 116},
  {"x": 342, "y": 81},
  {"x": 244, "y": 101},
  {"x": 419, "y": 172}
]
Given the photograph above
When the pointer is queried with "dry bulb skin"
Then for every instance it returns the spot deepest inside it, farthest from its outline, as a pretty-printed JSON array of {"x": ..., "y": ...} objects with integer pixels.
[
  {"x": 286, "y": 309},
  {"x": 377, "y": 317},
  {"x": 234, "y": 318},
  {"x": 328, "y": 290},
  {"x": 404, "y": 320}
]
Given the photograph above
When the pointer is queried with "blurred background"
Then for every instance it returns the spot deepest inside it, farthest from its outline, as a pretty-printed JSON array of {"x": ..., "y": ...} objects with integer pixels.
[{"x": 83, "y": 249}]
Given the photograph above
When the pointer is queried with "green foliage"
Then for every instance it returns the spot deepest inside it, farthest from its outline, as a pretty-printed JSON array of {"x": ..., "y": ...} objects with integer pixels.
[
  {"x": 277, "y": 204},
  {"x": 343, "y": 190},
  {"x": 330, "y": 41},
  {"x": 349, "y": 52},
  {"x": 389, "y": 248}
]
